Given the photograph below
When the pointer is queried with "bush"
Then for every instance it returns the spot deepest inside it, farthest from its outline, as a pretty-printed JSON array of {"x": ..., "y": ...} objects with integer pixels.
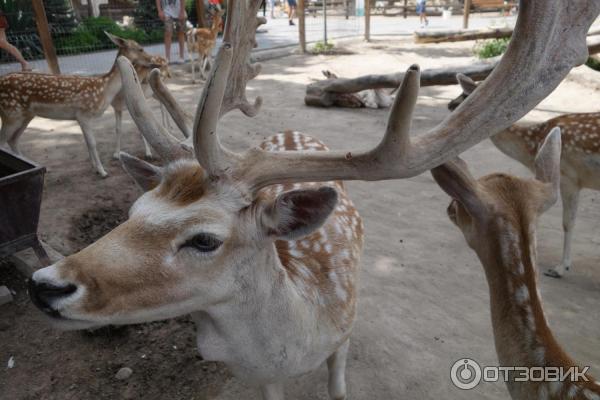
[
  {"x": 593, "y": 63},
  {"x": 321, "y": 48},
  {"x": 491, "y": 48}
]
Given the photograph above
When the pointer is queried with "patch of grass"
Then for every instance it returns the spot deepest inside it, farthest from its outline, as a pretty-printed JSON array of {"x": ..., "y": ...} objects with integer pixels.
[
  {"x": 491, "y": 48},
  {"x": 593, "y": 63},
  {"x": 322, "y": 48}
]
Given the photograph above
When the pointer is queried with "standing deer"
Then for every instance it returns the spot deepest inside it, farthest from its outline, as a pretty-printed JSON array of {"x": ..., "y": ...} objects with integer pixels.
[
  {"x": 202, "y": 41},
  {"x": 580, "y": 163},
  {"x": 24, "y": 96},
  {"x": 261, "y": 254},
  {"x": 118, "y": 103},
  {"x": 497, "y": 215}
]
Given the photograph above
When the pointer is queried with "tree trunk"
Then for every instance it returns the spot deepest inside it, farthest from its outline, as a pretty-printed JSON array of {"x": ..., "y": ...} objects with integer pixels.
[
  {"x": 461, "y": 35},
  {"x": 326, "y": 93}
]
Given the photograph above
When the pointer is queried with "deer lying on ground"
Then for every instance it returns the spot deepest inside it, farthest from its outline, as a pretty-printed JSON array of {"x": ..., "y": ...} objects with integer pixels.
[
  {"x": 202, "y": 41},
  {"x": 498, "y": 216},
  {"x": 261, "y": 254},
  {"x": 24, "y": 96},
  {"x": 118, "y": 103},
  {"x": 580, "y": 163},
  {"x": 370, "y": 98}
]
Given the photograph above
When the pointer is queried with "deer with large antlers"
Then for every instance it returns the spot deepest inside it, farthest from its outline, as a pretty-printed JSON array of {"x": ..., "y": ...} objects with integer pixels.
[
  {"x": 580, "y": 162},
  {"x": 263, "y": 256},
  {"x": 24, "y": 96},
  {"x": 497, "y": 215}
]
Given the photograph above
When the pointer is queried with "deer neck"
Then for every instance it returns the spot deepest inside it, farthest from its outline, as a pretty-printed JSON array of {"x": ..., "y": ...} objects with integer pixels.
[
  {"x": 267, "y": 322},
  {"x": 521, "y": 332},
  {"x": 518, "y": 143},
  {"x": 112, "y": 83}
]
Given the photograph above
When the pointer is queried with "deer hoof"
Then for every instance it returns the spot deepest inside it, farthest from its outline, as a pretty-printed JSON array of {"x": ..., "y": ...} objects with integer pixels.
[{"x": 553, "y": 273}]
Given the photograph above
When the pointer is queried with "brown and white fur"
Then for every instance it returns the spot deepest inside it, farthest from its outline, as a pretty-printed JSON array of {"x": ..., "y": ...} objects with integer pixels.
[
  {"x": 370, "y": 98},
  {"x": 498, "y": 215},
  {"x": 118, "y": 103},
  {"x": 202, "y": 41},
  {"x": 274, "y": 300},
  {"x": 580, "y": 162},
  {"x": 24, "y": 96}
]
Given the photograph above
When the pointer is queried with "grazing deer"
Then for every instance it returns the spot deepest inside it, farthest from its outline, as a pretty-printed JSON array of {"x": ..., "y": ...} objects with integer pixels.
[
  {"x": 24, "y": 96},
  {"x": 497, "y": 215},
  {"x": 580, "y": 162},
  {"x": 118, "y": 103},
  {"x": 202, "y": 41},
  {"x": 263, "y": 256}
]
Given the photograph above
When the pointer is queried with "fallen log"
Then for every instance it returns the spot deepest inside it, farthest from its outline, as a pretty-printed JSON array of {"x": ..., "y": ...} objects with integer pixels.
[
  {"x": 330, "y": 92},
  {"x": 461, "y": 35}
]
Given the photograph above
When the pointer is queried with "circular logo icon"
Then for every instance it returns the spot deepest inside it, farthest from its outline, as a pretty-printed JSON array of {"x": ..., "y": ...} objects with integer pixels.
[{"x": 465, "y": 374}]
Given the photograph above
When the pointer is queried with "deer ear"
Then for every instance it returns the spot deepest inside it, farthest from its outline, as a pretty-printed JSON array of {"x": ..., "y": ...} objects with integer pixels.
[
  {"x": 297, "y": 213},
  {"x": 547, "y": 165},
  {"x": 467, "y": 84},
  {"x": 146, "y": 175},
  {"x": 120, "y": 42},
  {"x": 455, "y": 179}
]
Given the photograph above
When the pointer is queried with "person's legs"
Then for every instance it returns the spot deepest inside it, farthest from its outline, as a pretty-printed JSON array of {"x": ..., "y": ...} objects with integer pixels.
[
  {"x": 13, "y": 51},
  {"x": 181, "y": 39},
  {"x": 291, "y": 10},
  {"x": 168, "y": 38}
]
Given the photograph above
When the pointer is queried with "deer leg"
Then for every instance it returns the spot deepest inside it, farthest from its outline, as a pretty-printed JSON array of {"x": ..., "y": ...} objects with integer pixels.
[
  {"x": 569, "y": 192},
  {"x": 13, "y": 133},
  {"x": 193, "y": 65},
  {"x": 90, "y": 140},
  {"x": 118, "y": 131},
  {"x": 273, "y": 391},
  {"x": 336, "y": 364}
]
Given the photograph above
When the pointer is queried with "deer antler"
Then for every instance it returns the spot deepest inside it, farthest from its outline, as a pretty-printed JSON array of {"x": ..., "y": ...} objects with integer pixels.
[
  {"x": 542, "y": 53},
  {"x": 549, "y": 39}
]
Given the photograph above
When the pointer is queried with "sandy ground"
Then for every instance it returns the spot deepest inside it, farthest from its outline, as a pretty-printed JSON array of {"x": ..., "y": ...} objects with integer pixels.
[{"x": 423, "y": 298}]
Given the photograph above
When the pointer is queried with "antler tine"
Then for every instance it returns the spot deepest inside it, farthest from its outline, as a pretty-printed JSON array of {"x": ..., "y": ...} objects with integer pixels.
[
  {"x": 162, "y": 142},
  {"x": 548, "y": 40},
  {"x": 164, "y": 95}
]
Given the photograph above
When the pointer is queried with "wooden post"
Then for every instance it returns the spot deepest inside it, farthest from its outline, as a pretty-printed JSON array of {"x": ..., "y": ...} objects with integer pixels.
[
  {"x": 368, "y": 20},
  {"x": 405, "y": 9},
  {"x": 466, "y": 14},
  {"x": 301, "y": 26},
  {"x": 45, "y": 37},
  {"x": 325, "y": 23},
  {"x": 200, "y": 14}
]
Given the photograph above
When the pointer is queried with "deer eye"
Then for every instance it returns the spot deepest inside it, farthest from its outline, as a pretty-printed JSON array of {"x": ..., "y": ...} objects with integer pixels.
[{"x": 204, "y": 242}]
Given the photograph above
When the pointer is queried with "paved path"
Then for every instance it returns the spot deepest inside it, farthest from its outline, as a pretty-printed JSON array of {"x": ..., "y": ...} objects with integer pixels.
[{"x": 278, "y": 33}]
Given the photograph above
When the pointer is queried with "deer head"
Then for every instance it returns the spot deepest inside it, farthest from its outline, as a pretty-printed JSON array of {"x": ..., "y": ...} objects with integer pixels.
[
  {"x": 485, "y": 210},
  {"x": 468, "y": 86},
  {"x": 134, "y": 52},
  {"x": 202, "y": 230}
]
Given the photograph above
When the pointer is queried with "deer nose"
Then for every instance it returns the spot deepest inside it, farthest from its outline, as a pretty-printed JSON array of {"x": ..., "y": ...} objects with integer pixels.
[{"x": 43, "y": 295}]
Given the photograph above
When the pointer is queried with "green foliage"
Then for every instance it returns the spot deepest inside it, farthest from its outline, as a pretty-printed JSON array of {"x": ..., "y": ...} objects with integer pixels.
[
  {"x": 491, "y": 48},
  {"x": 593, "y": 63},
  {"x": 90, "y": 36},
  {"x": 322, "y": 48},
  {"x": 19, "y": 14}
]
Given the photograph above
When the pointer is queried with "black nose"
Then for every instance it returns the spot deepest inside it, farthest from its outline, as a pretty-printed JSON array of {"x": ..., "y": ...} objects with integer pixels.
[{"x": 44, "y": 294}]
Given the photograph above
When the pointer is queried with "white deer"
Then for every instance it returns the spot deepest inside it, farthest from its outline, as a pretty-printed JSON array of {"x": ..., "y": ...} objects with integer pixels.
[
  {"x": 580, "y": 162},
  {"x": 265, "y": 263},
  {"x": 24, "y": 96},
  {"x": 498, "y": 216}
]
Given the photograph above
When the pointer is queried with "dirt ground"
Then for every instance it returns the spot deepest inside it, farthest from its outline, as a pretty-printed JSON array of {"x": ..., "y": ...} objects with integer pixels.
[{"x": 423, "y": 298}]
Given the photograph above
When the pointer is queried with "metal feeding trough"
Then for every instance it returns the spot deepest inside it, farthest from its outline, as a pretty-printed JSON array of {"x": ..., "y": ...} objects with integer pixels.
[{"x": 21, "y": 186}]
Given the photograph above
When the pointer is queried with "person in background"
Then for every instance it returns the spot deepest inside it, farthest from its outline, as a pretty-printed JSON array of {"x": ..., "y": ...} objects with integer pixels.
[
  {"x": 422, "y": 13},
  {"x": 9, "y": 47},
  {"x": 292, "y": 10},
  {"x": 172, "y": 13},
  {"x": 214, "y": 5}
]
